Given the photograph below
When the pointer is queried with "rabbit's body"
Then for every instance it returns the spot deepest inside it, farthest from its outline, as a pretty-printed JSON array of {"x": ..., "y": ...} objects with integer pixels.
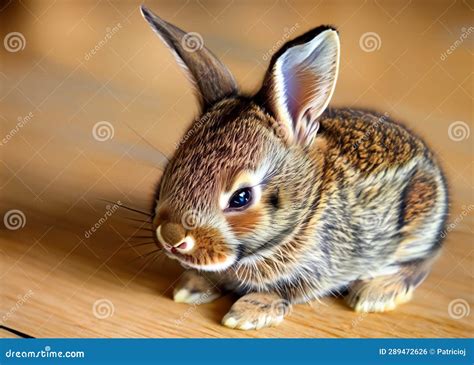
[
  {"x": 281, "y": 200},
  {"x": 379, "y": 204}
]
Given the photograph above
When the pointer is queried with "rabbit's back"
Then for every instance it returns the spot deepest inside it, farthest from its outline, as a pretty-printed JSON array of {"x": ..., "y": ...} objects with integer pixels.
[
  {"x": 370, "y": 142},
  {"x": 385, "y": 197},
  {"x": 384, "y": 169}
]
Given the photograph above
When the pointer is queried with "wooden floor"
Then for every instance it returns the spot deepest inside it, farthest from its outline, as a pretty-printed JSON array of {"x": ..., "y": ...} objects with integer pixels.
[{"x": 57, "y": 280}]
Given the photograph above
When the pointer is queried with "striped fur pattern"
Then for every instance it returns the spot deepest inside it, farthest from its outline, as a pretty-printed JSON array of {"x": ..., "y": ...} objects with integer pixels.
[{"x": 358, "y": 206}]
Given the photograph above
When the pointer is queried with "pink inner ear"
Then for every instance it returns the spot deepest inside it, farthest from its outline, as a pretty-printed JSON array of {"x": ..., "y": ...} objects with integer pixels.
[
  {"x": 305, "y": 77},
  {"x": 301, "y": 92},
  {"x": 301, "y": 84}
]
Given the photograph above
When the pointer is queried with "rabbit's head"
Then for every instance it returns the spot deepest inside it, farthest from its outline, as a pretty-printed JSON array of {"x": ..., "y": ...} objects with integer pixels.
[{"x": 244, "y": 176}]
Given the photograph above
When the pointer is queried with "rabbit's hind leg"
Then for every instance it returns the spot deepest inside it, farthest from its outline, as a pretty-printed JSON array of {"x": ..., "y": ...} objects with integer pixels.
[
  {"x": 384, "y": 293},
  {"x": 421, "y": 219}
]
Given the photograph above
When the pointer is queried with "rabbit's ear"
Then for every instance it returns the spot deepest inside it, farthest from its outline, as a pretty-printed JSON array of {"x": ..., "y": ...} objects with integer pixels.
[
  {"x": 212, "y": 79},
  {"x": 300, "y": 82}
]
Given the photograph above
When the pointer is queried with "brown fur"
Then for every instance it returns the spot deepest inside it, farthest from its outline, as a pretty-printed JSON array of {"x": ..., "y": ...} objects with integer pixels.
[
  {"x": 172, "y": 232},
  {"x": 242, "y": 224},
  {"x": 420, "y": 197}
]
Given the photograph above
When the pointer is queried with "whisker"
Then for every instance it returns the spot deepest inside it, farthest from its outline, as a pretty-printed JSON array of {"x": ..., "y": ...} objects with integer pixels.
[
  {"x": 144, "y": 229},
  {"x": 137, "y": 228},
  {"x": 162, "y": 256},
  {"x": 141, "y": 229},
  {"x": 138, "y": 245},
  {"x": 138, "y": 220},
  {"x": 134, "y": 242},
  {"x": 151, "y": 261},
  {"x": 144, "y": 256},
  {"x": 129, "y": 208},
  {"x": 146, "y": 141},
  {"x": 150, "y": 253}
]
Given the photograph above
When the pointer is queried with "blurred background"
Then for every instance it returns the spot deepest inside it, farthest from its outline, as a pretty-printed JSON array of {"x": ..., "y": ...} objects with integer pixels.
[{"x": 85, "y": 83}]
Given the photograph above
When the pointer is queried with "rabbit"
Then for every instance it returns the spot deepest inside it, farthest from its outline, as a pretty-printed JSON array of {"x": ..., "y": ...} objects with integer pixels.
[{"x": 281, "y": 200}]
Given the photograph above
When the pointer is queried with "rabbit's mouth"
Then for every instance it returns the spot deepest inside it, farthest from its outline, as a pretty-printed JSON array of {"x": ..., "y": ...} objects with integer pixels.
[{"x": 191, "y": 262}]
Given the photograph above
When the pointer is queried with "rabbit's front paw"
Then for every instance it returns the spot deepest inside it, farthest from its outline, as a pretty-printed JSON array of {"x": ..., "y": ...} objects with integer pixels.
[
  {"x": 257, "y": 310},
  {"x": 195, "y": 289}
]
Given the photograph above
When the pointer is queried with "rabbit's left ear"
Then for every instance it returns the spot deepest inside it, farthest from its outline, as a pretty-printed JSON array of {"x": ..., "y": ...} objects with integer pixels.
[{"x": 300, "y": 82}]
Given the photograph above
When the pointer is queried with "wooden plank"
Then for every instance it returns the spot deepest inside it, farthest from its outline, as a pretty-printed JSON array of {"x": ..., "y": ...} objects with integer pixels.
[{"x": 52, "y": 276}]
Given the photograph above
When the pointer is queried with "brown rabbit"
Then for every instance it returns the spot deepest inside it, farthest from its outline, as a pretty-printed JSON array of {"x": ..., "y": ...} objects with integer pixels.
[{"x": 281, "y": 200}]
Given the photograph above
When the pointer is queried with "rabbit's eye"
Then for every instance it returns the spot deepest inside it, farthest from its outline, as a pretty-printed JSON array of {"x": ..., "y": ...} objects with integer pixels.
[{"x": 240, "y": 198}]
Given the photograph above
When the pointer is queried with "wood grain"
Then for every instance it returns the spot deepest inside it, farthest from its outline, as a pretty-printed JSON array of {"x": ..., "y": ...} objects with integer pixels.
[{"x": 55, "y": 172}]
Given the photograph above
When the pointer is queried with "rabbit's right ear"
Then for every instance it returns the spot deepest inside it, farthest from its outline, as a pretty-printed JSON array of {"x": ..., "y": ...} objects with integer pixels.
[
  {"x": 212, "y": 79},
  {"x": 300, "y": 82}
]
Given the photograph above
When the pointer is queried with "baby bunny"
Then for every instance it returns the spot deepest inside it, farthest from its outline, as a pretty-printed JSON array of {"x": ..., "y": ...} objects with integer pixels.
[{"x": 281, "y": 200}]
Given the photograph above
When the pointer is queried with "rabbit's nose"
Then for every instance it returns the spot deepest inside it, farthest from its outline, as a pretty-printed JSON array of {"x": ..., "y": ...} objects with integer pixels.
[
  {"x": 173, "y": 237},
  {"x": 172, "y": 233}
]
